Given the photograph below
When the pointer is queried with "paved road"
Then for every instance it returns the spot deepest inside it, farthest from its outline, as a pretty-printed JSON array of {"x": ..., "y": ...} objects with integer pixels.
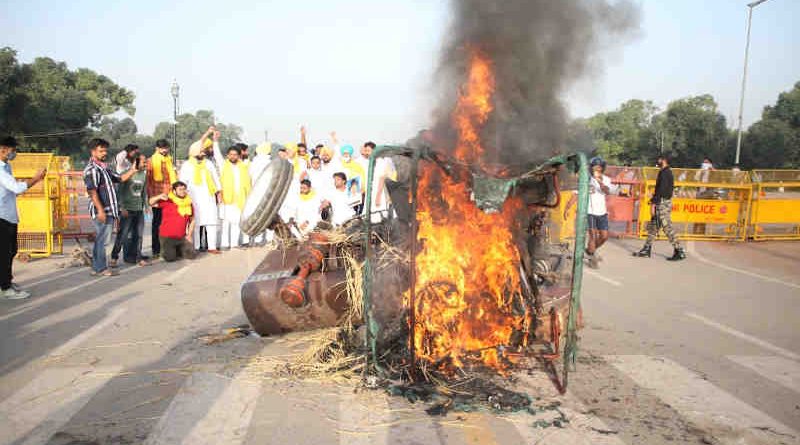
[{"x": 705, "y": 351}]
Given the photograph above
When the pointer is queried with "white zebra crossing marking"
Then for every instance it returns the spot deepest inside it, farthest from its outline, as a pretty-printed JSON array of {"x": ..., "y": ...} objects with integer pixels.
[
  {"x": 581, "y": 428},
  {"x": 778, "y": 369},
  {"x": 38, "y": 410},
  {"x": 209, "y": 409},
  {"x": 711, "y": 409}
]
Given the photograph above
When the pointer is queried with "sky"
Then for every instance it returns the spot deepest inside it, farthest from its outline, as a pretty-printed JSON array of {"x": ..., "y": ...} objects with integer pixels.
[{"x": 365, "y": 68}]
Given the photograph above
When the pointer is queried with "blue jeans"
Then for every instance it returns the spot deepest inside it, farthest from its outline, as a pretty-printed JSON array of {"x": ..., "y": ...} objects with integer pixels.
[
  {"x": 129, "y": 237},
  {"x": 102, "y": 234}
]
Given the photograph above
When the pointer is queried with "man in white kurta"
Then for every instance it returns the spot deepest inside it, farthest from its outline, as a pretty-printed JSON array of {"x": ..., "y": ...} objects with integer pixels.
[
  {"x": 204, "y": 185},
  {"x": 341, "y": 200},
  {"x": 309, "y": 204},
  {"x": 236, "y": 185}
]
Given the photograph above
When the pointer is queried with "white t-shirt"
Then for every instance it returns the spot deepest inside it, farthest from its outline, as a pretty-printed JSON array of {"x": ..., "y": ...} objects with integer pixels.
[
  {"x": 597, "y": 198},
  {"x": 341, "y": 206},
  {"x": 321, "y": 181}
]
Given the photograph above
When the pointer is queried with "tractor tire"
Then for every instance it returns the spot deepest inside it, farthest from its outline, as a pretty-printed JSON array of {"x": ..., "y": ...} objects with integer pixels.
[{"x": 266, "y": 198}]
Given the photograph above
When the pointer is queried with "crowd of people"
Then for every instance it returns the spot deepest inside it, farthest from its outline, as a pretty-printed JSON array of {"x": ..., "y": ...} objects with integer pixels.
[{"x": 198, "y": 206}]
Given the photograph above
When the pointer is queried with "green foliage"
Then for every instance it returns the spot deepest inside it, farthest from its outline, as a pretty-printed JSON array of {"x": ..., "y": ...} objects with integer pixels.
[
  {"x": 693, "y": 128},
  {"x": 774, "y": 141},
  {"x": 620, "y": 134},
  {"x": 192, "y": 126}
]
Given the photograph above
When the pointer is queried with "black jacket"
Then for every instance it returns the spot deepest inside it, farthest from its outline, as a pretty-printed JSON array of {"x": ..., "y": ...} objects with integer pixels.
[{"x": 665, "y": 183}]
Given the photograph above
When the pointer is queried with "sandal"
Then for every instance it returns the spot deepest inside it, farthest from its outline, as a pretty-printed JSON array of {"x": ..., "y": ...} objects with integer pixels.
[
  {"x": 143, "y": 263},
  {"x": 109, "y": 273}
]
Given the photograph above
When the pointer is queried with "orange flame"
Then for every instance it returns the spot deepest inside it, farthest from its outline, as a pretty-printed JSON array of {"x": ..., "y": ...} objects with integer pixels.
[
  {"x": 473, "y": 108},
  {"x": 467, "y": 263}
]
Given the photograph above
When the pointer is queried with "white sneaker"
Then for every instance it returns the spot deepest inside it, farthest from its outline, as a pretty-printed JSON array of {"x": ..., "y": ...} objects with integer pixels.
[{"x": 13, "y": 294}]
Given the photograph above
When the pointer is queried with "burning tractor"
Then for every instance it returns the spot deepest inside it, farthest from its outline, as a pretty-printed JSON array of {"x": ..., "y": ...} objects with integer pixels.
[
  {"x": 475, "y": 266},
  {"x": 471, "y": 269}
]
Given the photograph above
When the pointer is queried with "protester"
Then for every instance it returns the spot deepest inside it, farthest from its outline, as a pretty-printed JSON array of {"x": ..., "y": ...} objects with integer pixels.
[
  {"x": 309, "y": 207},
  {"x": 355, "y": 173},
  {"x": 132, "y": 203},
  {"x": 236, "y": 185},
  {"x": 244, "y": 153},
  {"x": 160, "y": 176},
  {"x": 329, "y": 164},
  {"x": 366, "y": 151},
  {"x": 600, "y": 186},
  {"x": 661, "y": 212},
  {"x": 9, "y": 218},
  {"x": 341, "y": 201},
  {"x": 103, "y": 203},
  {"x": 204, "y": 189},
  {"x": 322, "y": 181},
  {"x": 177, "y": 226},
  {"x": 124, "y": 159}
]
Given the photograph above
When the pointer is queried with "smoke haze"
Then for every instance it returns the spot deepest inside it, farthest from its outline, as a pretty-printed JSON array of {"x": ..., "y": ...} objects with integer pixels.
[{"x": 538, "y": 49}]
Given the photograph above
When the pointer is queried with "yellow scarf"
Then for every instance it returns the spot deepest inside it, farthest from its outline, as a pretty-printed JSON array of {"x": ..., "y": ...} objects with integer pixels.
[
  {"x": 199, "y": 168},
  {"x": 308, "y": 196},
  {"x": 157, "y": 161},
  {"x": 184, "y": 204},
  {"x": 228, "y": 184}
]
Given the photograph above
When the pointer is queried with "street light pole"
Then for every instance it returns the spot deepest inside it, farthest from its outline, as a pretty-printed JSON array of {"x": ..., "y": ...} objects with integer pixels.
[
  {"x": 176, "y": 92},
  {"x": 750, "y": 7}
]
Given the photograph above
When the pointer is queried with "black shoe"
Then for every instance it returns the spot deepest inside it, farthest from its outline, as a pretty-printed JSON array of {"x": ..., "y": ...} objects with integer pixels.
[
  {"x": 678, "y": 255},
  {"x": 644, "y": 253}
]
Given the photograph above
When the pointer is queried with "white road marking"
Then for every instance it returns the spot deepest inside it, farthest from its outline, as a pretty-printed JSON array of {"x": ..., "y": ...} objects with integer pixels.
[
  {"x": 209, "y": 409},
  {"x": 602, "y": 277},
  {"x": 709, "y": 408},
  {"x": 756, "y": 341},
  {"x": 42, "y": 407},
  {"x": 57, "y": 277},
  {"x": 695, "y": 254},
  {"x": 779, "y": 370},
  {"x": 109, "y": 319}
]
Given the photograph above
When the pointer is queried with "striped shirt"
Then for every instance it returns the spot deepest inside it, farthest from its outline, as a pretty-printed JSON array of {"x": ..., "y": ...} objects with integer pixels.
[{"x": 97, "y": 176}]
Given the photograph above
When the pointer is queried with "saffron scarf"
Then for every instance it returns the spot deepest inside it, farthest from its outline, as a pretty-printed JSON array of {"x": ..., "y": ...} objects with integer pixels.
[
  {"x": 157, "y": 161},
  {"x": 229, "y": 184},
  {"x": 184, "y": 204},
  {"x": 199, "y": 168}
]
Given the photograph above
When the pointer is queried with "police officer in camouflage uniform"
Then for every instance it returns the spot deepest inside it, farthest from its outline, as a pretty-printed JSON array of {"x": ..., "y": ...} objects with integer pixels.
[{"x": 662, "y": 218}]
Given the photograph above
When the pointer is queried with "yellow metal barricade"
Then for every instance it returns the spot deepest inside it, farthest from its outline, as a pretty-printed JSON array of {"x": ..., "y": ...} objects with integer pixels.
[
  {"x": 706, "y": 205},
  {"x": 776, "y": 205},
  {"x": 41, "y": 208}
]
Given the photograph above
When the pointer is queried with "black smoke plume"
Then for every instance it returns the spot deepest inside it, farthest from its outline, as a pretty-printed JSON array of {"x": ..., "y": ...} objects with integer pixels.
[{"x": 538, "y": 49}]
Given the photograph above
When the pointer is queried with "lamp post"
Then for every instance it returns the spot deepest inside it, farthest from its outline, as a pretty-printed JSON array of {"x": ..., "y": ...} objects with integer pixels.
[
  {"x": 750, "y": 7},
  {"x": 176, "y": 92}
]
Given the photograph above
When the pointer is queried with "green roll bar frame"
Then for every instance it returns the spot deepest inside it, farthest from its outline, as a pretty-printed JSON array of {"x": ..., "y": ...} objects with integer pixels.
[{"x": 576, "y": 162}]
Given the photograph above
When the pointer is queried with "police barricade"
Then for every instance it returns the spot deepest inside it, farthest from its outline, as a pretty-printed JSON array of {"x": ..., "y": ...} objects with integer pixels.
[
  {"x": 775, "y": 213},
  {"x": 706, "y": 205},
  {"x": 623, "y": 207},
  {"x": 40, "y": 208}
]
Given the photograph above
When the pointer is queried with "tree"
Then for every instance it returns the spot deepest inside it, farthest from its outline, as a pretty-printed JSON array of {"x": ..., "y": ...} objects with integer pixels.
[
  {"x": 774, "y": 141},
  {"x": 192, "y": 126},
  {"x": 693, "y": 128},
  {"x": 53, "y": 105},
  {"x": 622, "y": 134},
  {"x": 121, "y": 132}
]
